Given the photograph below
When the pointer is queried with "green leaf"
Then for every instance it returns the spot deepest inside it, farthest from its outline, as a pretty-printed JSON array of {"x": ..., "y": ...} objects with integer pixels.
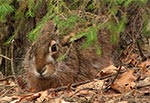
[
  {"x": 8, "y": 41},
  {"x": 4, "y": 10},
  {"x": 76, "y": 37},
  {"x": 30, "y": 14},
  {"x": 67, "y": 24},
  {"x": 36, "y": 31},
  {"x": 126, "y": 4},
  {"x": 114, "y": 38},
  {"x": 98, "y": 50},
  {"x": 61, "y": 57}
]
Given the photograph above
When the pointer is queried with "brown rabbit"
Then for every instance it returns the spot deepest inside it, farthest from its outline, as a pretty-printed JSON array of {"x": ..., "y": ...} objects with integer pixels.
[{"x": 48, "y": 64}]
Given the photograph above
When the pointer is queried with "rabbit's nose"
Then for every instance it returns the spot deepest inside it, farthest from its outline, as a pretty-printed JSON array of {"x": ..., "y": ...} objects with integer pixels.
[{"x": 41, "y": 71}]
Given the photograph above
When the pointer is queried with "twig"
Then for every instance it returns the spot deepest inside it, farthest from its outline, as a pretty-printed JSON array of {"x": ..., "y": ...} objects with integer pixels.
[
  {"x": 116, "y": 75},
  {"x": 12, "y": 64},
  {"x": 140, "y": 51},
  {"x": 8, "y": 77},
  {"x": 7, "y": 91},
  {"x": 65, "y": 87},
  {"x": 91, "y": 98},
  {"x": 74, "y": 85},
  {"x": 5, "y": 57},
  {"x": 142, "y": 86},
  {"x": 111, "y": 75},
  {"x": 7, "y": 86}
]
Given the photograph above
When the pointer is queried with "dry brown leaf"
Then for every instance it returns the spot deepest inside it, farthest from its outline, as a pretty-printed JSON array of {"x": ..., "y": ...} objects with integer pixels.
[
  {"x": 12, "y": 83},
  {"x": 66, "y": 93},
  {"x": 107, "y": 71},
  {"x": 145, "y": 74},
  {"x": 85, "y": 92},
  {"x": 145, "y": 63},
  {"x": 7, "y": 99},
  {"x": 145, "y": 82},
  {"x": 96, "y": 84},
  {"x": 145, "y": 68},
  {"x": 87, "y": 89},
  {"x": 58, "y": 100},
  {"x": 125, "y": 83},
  {"x": 113, "y": 101},
  {"x": 130, "y": 59},
  {"x": 33, "y": 97},
  {"x": 43, "y": 96},
  {"x": 123, "y": 102}
]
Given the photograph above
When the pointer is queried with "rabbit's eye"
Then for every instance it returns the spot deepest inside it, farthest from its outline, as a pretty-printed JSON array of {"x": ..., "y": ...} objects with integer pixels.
[{"x": 54, "y": 48}]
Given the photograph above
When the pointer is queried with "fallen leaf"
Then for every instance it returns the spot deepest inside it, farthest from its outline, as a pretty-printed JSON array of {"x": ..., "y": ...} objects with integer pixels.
[
  {"x": 96, "y": 84},
  {"x": 33, "y": 97},
  {"x": 7, "y": 99},
  {"x": 43, "y": 96},
  {"x": 85, "y": 92},
  {"x": 123, "y": 102},
  {"x": 145, "y": 63},
  {"x": 145, "y": 82},
  {"x": 125, "y": 83},
  {"x": 58, "y": 100},
  {"x": 15, "y": 101},
  {"x": 145, "y": 68},
  {"x": 107, "y": 71},
  {"x": 130, "y": 59}
]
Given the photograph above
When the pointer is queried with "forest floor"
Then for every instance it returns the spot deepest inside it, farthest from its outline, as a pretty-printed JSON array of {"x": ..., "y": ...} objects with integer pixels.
[{"x": 129, "y": 83}]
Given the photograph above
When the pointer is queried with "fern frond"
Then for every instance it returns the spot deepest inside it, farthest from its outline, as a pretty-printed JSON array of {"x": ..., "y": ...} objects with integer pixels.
[{"x": 5, "y": 9}]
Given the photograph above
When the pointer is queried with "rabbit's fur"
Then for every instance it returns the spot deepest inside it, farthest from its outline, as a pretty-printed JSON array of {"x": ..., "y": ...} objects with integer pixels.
[{"x": 48, "y": 64}]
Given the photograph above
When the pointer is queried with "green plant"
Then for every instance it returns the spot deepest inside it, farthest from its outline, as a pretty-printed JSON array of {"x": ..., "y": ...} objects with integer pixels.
[
  {"x": 77, "y": 15},
  {"x": 5, "y": 8}
]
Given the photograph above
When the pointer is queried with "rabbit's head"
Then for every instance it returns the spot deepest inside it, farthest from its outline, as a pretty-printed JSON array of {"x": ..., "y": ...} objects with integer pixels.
[{"x": 43, "y": 53}]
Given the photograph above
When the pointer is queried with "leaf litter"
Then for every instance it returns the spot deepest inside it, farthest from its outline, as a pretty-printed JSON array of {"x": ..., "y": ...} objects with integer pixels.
[{"x": 132, "y": 84}]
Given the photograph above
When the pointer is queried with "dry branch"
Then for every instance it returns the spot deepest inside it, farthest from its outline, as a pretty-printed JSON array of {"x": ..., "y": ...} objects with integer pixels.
[
  {"x": 74, "y": 85},
  {"x": 8, "y": 77},
  {"x": 5, "y": 57}
]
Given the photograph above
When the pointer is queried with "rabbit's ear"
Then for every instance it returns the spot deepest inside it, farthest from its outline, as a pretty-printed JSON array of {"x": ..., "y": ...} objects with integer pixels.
[
  {"x": 48, "y": 27},
  {"x": 53, "y": 27}
]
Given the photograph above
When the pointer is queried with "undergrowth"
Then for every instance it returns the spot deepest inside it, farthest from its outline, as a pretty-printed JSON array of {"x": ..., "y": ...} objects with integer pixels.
[{"x": 86, "y": 16}]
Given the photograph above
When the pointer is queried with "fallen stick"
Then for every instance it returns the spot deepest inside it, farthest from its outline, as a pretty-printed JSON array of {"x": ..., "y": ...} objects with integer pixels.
[
  {"x": 74, "y": 85},
  {"x": 8, "y": 77}
]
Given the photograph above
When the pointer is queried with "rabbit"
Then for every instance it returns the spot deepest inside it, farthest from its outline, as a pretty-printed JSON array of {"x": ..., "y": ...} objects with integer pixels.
[{"x": 49, "y": 64}]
